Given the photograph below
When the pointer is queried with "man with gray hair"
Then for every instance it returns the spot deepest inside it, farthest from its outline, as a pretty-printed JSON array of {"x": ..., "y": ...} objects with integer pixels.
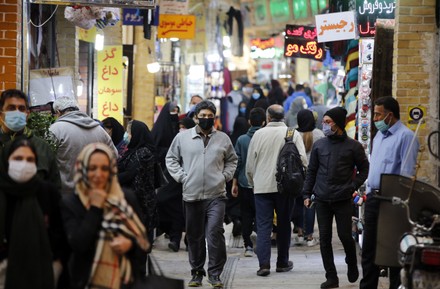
[
  {"x": 72, "y": 131},
  {"x": 261, "y": 165},
  {"x": 203, "y": 160}
]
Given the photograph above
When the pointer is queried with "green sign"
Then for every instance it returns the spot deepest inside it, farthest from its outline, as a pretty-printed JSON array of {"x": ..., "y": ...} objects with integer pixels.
[
  {"x": 260, "y": 12},
  {"x": 300, "y": 9},
  {"x": 317, "y": 6},
  {"x": 279, "y": 10}
]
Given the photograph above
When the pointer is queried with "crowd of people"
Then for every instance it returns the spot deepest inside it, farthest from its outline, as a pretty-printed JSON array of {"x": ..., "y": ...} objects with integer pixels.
[{"x": 87, "y": 214}]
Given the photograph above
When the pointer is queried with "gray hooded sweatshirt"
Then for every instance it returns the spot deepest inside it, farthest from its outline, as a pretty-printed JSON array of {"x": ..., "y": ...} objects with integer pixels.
[{"x": 73, "y": 131}]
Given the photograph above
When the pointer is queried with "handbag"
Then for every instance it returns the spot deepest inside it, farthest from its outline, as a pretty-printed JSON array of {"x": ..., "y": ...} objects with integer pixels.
[
  {"x": 160, "y": 180},
  {"x": 156, "y": 279}
]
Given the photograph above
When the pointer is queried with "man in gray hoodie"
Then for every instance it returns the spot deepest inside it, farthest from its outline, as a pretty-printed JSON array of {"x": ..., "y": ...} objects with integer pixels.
[
  {"x": 203, "y": 160},
  {"x": 72, "y": 131}
]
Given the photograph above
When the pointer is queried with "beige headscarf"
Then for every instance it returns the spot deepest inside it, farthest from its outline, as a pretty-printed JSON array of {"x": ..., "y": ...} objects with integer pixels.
[{"x": 119, "y": 218}]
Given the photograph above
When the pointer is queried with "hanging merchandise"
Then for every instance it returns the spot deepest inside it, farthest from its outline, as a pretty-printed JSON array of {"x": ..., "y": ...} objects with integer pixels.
[
  {"x": 366, "y": 47},
  {"x": 86, "y": 16}
]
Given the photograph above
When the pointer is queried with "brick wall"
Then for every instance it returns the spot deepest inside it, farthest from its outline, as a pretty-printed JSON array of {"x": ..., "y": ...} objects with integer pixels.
[
  {"x": 415, "y": 68},
  {"x": 10, "y": 52}
]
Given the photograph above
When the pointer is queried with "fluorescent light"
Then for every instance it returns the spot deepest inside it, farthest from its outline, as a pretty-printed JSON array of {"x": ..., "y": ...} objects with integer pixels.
[
  {"x": 153, "y": 67},
  {"x": 99, "y": 42},
  {"x": 174, "y": 39}
]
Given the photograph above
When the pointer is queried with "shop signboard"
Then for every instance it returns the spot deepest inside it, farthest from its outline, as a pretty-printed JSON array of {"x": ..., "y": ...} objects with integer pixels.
[
  {"x": 335, "y": 26},
  {"x": 260, "y": 15},
  {"x": 415, "y": 115},
  {"x": 176, "y": 26},
  {"x": 370, "y": 10},
  {"x": 173, "y": 6},
  {"x": 110, "y": 81},
  {"x": 301, "y": 41},
  {"x": 279, "y": 10},
  {"x": 131, "y": 16},
  {"x": 266, "y": 48}
]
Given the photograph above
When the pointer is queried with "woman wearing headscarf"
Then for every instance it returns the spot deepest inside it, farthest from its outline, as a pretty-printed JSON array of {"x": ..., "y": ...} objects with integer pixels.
[
  {"x": 291, "y": 115},
  {"x": 304, "y": 218},
  {"x": 241, "y": 126},
  {"x": 256, "y": 95},
  {"x": 276, "y": 94},
  {"x": 32, "y": 238},
  {"x": 116, "y": 132},
  {"x": 169, "y": 197},
  {"x": 136, "y": 172},
  {"x": 107, "y": 238}
]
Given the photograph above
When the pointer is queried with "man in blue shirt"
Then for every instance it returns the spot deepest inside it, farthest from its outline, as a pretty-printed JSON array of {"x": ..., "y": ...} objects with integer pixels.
[
  {"x": 394, "y": 152},
  {"x": 299, "y": 91}
]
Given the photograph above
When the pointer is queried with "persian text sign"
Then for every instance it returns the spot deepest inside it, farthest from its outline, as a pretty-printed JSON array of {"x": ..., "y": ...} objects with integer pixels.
[
  {"x": 110, "y": 71},
  {"x": 369, "y": 10},
  {"x": 173, "y": 6},
  {"x": 178, "y": 26},
  {"x": 335, "y": 26},
  {"x": 301, "y": 41},
  {"x": 132, "y": 17}
]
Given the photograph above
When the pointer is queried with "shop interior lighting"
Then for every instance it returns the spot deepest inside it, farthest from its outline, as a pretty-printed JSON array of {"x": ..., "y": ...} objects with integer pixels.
[
  {"x": 153, "y": 67},
  {"x": 99, "y": 40},
  {"x": 174, "y": 39}
]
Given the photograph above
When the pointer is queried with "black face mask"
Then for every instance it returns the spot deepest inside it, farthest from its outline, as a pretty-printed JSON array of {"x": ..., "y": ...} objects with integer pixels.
[
  {"x": 174, "y": 117},
  {"x": 206, "y": 123}
]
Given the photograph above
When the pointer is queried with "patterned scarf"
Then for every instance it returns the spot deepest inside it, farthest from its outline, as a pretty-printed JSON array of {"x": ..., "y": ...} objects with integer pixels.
[{"x": 109, "y": 269}]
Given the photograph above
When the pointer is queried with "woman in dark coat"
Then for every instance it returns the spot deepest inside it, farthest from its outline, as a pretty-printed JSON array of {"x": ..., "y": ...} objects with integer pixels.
[
  {"x": 116, "y": 132},
  {"x": 276, "y": 94},
  {"x": 107, "y": 238},
  {"x": 136, "y": 172},
  {"x": 30, "y": 221}
]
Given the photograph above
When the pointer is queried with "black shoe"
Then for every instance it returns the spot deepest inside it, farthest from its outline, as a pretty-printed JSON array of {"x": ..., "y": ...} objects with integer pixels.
[
  {"x": 215, "y": 281},
  {"x": 352, "y": 273},
  {"x": 273, "y": 243},
  {"x": 236, "y": 229},
  {"x": 263, "y": 272},
  {"x": 285, "y": 268},
  {"x": 173, "y": 245},
  {"x": 196, "y": 280},
  {"x": 330, "y": 284}
]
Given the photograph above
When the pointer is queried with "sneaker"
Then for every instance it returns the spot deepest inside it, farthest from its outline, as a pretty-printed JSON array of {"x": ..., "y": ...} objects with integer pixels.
[
  {"x": 196, "y": 280},
  {"x": 299, "y": 239},
  {"x": 330, "y": 284},
  {"x": 215, "y": 281},
  {"x": 312, "y": 242},
  {"x": 263, "y": 272},
  {"x": 285, "y": 268},
  {"x": 174, "y": 246},
  {"x": 249, "y": 252},
  {"x": 352, "y": 273}
]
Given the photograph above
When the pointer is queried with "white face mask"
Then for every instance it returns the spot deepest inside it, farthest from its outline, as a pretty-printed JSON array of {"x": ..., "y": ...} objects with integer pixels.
[{"x": 21, "y": 171}]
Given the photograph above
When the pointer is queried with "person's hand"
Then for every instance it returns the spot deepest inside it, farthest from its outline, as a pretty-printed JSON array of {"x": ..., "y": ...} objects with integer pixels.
[
  {"x": 234, "y": 191},
  {"x": 120, "y": 245},
  {"x": 307, "y": 202},
  {"x": 97, "y": 197}
]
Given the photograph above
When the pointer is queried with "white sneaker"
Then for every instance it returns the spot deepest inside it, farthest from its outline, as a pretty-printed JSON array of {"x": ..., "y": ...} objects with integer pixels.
[
  {"x": 299, "y": 240},
  {"x": 312, "y": 242},
  {"x": 249, "y": 252}
]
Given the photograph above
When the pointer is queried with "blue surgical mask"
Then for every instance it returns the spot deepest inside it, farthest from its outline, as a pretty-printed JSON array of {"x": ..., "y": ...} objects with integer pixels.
[
  {"x": 125, "y": 138},
  {"x": 242, "y": 109},
  {"x": 255, "y": 95},
  {"x": 381, "y": 125},
  {"x": 15, "y": 120},
  {"x": 327, "y": 129}
]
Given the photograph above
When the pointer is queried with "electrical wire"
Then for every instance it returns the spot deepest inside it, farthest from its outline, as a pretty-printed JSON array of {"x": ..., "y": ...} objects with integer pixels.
[{"x": 41, "y": 25}]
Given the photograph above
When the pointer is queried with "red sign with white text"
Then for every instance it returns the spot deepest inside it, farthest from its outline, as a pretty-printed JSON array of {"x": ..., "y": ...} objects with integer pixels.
[{"x": 301, "y": 42}]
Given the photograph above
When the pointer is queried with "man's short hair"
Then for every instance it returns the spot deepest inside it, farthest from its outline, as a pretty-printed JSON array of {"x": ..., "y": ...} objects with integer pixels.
[
  {"x": 195, "y": 96},
  {"x": 299, "y": 87},
  {"x": 205, "y": 104},
  {"x": 389, "y": 103},
  {"x": 9, "y": 93},
  {"x": 275, "y": 112},
  {"x": 257, "y": 116},
  {"x": 64, "y": 104}
]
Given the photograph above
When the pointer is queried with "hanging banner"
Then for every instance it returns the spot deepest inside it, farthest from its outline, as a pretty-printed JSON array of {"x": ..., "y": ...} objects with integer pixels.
[
  {"x": 369, "y": 10},
  {"x": 335, "y": 26},
  {"x": 176, "y": 26},
  {"x": 131, "y": 16},
  {"x": 174, "y": 6},
  {"x": 261, "y": 13},
  {"x": 110, "y": 70},
  {"x": 301, "y": 41}
]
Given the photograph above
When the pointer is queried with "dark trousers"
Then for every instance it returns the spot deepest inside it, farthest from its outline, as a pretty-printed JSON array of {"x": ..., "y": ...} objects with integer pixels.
[
  {"x": 204, "y": 219},
  {"x": 303, "y": 217},
  {"x": 265, "y": 204},
  {"x": 247, "y": 208},
  {"x": 342, "y": 212},
  {"x": 370, "y": 270}
]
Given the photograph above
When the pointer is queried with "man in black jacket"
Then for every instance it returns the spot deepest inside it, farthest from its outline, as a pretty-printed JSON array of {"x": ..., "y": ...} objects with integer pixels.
[{"x": 330, "y": 177}]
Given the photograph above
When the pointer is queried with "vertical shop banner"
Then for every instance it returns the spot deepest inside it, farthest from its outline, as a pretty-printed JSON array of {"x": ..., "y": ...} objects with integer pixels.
[
  {"x": 369, "y": 10},
  {"x": 110, "y": 70},
  {"x": 335, "y": 26},
  {"x": 279, "y": 10},
  {"x": 260, "y": 15},
  {"x": 178, "y": 26},
  {"x": 173, "y": 6},
  {"x": 301, "y": 41}
]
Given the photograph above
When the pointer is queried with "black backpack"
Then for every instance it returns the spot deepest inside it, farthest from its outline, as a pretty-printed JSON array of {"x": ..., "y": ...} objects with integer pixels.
[{"x": 290, "y": 173}]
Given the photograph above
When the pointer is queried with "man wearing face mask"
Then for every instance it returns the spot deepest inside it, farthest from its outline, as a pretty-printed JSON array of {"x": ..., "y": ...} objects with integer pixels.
[
  {"x": 203, "y": 160},
  {"x": 14, "y": 112},
  {"x": 333, "y": 160},
  {"x": 73, "y": 130},
  {"x": 391, "y": 147}
]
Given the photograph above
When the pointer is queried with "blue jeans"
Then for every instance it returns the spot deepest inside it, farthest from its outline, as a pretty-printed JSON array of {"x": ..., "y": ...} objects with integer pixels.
[
  {"x": 265, "y": 204},
  {"x": 303, "y": 217}
]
